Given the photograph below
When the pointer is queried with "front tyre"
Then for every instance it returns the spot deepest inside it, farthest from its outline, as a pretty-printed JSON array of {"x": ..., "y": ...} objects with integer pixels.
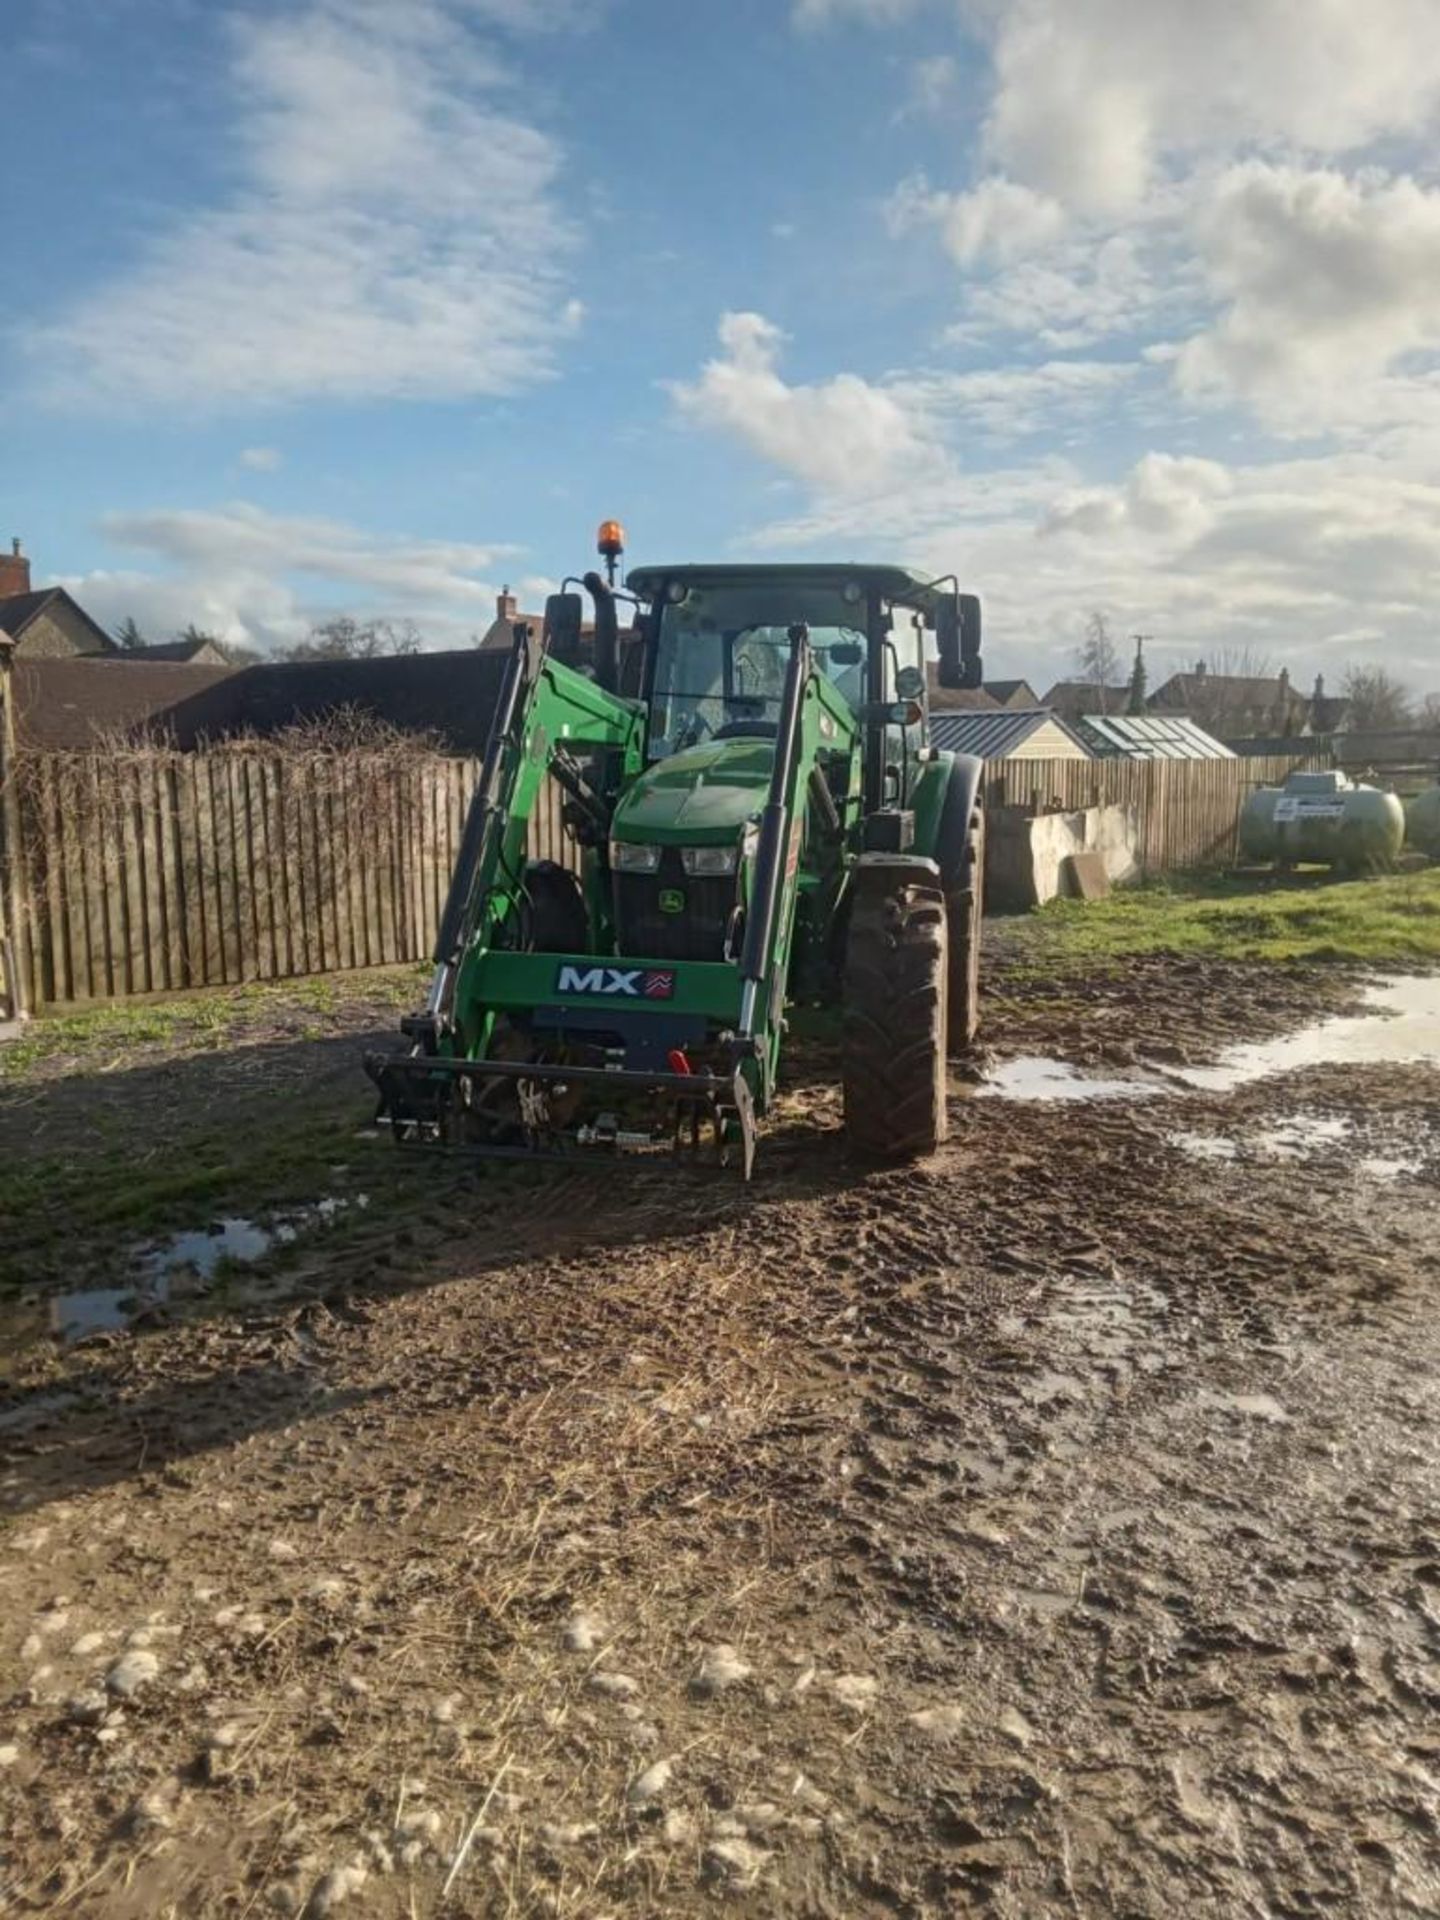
[
  {"x": 893, "y": 1049},
  {"x": 964, "y": 910}
]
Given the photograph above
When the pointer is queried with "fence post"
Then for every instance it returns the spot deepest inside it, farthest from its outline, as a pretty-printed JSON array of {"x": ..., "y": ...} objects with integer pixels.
[{"x": 16, "y": 989}]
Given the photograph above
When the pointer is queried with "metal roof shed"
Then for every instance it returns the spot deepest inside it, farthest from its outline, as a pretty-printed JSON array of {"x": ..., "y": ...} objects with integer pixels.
[
  {"x": 1137, "y": 736},
  {"x": 1033, "y": 734}
]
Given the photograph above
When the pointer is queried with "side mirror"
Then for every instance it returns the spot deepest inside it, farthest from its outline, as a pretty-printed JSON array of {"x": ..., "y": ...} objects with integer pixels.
[
  {"x": 972, "y": 667},
  {"x": 947, "y": 640},
  {"x": 564, "y": 617}
]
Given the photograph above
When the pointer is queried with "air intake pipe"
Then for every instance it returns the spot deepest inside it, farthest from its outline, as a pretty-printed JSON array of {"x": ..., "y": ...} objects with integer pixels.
[{"x": 607, "y": 633}]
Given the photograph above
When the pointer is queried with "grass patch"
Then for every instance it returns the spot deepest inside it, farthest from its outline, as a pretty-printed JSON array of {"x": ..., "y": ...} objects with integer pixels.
[
  {"x": 131, "y": 1120},
  {"x": 197, "y": 1022},
  {"x": 1278, "y": 920}
]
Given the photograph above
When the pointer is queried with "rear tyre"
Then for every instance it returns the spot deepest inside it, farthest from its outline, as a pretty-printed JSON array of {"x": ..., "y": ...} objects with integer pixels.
[{"x": 893, "y": 1050}]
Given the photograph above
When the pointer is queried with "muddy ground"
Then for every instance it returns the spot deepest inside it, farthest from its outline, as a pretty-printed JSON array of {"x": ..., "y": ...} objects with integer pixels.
[{"x": 1052, "y": 1529}]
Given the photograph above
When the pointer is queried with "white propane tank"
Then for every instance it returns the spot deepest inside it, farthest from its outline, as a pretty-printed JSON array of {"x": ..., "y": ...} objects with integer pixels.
[{"x": 1323, "y": 819}]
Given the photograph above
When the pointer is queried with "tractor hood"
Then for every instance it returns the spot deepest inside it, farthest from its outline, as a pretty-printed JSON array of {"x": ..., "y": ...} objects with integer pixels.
[{"x": 702, "y": 796}]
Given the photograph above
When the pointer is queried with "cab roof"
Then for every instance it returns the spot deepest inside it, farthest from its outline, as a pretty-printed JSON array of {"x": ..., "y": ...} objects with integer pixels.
[{"x": 896, "y": 583}]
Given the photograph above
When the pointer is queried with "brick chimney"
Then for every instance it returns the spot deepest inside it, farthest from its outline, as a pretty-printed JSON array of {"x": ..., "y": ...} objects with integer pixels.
[
  {"x": 14, "y": 571},
  {"x": 507, "y": 607}
]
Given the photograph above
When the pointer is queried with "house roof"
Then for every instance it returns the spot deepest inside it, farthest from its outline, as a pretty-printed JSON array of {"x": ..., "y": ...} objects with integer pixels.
[
  {"x": 168, "y": 649},
  {"x": 77, "y": 700},
  {"x": 1018, "y": 693},
  {"x": 956, "y": 699},
  {"x": 451, "y": 695},
  {"x": 1074, "y": 697},
  {"x": 1219, "y": 692},
  {"x": 1149, "y": 736},
  {"x": 17, "y": 610},
  {"x": 1329, "y": 713},
  {"x": 995, "y": 734}
]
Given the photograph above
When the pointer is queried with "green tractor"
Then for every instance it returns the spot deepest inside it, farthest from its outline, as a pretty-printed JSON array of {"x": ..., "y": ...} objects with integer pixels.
[{"x": 758, "y": 822}]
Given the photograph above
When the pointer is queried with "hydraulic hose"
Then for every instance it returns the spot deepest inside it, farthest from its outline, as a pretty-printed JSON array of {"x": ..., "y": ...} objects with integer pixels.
[{"x": 455, "y": 922}]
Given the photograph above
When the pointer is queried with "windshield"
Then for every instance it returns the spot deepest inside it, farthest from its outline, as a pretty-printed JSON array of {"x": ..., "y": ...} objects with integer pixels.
[{"x": 720, "y": 666}]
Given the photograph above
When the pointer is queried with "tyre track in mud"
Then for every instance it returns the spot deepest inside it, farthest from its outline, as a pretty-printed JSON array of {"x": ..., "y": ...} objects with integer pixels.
[{"x": 1070, "y": 1508}]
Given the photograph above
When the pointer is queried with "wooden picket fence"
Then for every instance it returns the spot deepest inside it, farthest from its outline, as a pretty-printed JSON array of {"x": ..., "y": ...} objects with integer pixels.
[
  {"x": 153, "y": 871},
  {"x": 1188, "y": 810}
]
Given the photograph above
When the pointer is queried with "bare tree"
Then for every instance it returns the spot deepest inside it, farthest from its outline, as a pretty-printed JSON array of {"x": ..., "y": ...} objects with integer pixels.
[
  {"x": 1098, "y": 658},
  {"x": 345, "y": 638},
  {"x": 1429, "y": 714},
  {"x": 1238, "y": 663},
  {"x": 1377, "y": 699}
]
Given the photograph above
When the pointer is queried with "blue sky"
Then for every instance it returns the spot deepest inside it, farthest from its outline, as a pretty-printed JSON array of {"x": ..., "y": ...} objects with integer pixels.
[{"x": 375, "y": 305}]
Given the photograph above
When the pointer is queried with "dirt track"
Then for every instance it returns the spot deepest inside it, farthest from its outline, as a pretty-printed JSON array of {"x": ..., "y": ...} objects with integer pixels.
[{"x": 1054, "y": 1529}]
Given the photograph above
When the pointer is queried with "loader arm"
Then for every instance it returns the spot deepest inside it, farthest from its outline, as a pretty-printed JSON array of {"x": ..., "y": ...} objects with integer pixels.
[{"x": 545, "y": 710}]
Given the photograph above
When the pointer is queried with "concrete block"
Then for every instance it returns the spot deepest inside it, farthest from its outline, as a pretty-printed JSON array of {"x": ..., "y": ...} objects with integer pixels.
[
  {"x": 1084, "y": 875},
  {"x": 1026, "y": 854}
]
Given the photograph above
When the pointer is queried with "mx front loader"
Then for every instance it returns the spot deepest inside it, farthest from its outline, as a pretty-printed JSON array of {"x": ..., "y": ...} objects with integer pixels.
[{"x": 756, "y": 821}]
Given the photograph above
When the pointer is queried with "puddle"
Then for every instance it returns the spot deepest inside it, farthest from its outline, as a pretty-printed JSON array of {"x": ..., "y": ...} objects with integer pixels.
[
  {"x": 1379, "y": 1166},
  {"x": 229, "y": 1239},
  {"x": 1205, "y": 1146},
  {"x": 1402, "y": 1029},
  {"x": 1032, "y": 1077},
  {"x": 184, "y": 1265},
  {"x": 100, "y": 1309},
  {"x": 1298, "y": 1136}
]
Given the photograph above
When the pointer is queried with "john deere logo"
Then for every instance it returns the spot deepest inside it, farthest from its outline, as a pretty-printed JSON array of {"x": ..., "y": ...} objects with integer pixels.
[{"x": 672, "y": 900}]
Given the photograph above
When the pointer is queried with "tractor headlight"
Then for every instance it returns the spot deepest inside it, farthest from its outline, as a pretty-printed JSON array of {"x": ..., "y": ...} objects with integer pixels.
[
  {"x": 707, "y": 862},
  {"x": 629, "y": 856}
]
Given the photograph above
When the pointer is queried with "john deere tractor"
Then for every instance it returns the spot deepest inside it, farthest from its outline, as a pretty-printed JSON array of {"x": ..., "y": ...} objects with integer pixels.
[{"x": 756, "y": 822}]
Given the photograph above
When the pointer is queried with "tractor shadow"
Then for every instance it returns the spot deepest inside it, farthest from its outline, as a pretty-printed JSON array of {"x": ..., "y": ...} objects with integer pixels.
[{"x": 101, "y": 1166}]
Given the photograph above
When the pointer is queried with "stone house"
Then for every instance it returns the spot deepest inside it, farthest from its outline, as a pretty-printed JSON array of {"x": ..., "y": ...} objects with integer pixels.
[{"x": 48, "y": 624}]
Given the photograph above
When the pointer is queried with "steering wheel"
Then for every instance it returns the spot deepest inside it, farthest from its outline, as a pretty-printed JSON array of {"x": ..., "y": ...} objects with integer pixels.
[{"x": 694, "y": 732}]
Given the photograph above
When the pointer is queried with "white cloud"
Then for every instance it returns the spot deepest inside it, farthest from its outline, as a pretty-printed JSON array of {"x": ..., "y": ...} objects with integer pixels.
[
  {"x": 397, "y": 233},
  {"x": 1092, "y": 95},
  {"x": 998, "y": 219},
  {"x": 262, "y": 579},
  {"x": 1327, "y": 282},
  {"x": 1314, "y": 561},
  {"x": 261, "y": 459},
  {"x": 932, "y": 82},
  {"x": 1006, "y": 403},
  {"x": 1109, "y": 130},
  {"x": 1165, "y": 496},
  {"x": 844, "y": 435}
]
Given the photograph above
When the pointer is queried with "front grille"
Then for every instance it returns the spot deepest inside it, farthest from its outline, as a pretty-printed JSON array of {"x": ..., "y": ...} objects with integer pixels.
[{"x": 645, "y": 933}]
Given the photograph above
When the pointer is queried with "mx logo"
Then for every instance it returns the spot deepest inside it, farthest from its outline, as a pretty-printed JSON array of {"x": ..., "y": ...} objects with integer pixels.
[{"x": 632, "y": 983}]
